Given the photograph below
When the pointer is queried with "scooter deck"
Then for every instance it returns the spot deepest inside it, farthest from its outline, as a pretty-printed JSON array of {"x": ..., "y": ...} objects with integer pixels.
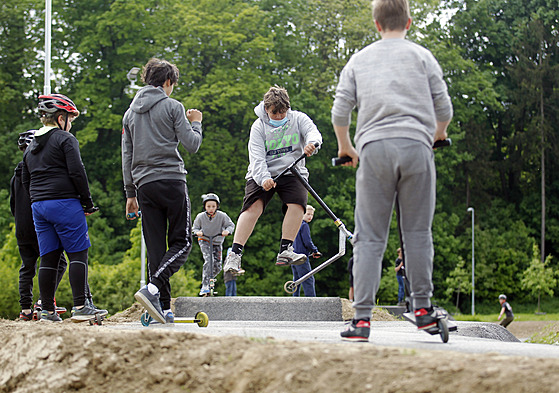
[{"x": 452, "y": 327}]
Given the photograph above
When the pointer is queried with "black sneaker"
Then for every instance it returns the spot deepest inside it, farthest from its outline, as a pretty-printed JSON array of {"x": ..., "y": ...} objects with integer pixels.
[
  {"x": 102, "y": 312},
  {"x": 425, "y": 318},
  {"x": 151, "y": 303},
  {"x": 48, "y": 317},
  {"x": 26, "y": 317},
  {"x": 357, "y": 330}
]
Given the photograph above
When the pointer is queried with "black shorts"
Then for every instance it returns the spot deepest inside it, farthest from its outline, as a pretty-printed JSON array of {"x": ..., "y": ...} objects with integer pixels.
[{"x": 289, "y": 189}]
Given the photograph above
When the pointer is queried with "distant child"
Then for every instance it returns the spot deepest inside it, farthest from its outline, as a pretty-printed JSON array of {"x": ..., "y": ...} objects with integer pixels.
[
  {"x": 211, "y": 225},
  {"x": 26, "y": 237},
  {"x": 400, "y": 274},
  {"x": 230, "y": 280},
  {"x": 403, "y": 107},
  {"x": 505, "y": 309},
  {"x": 303, "y": 245},
  {"x": 350, "y": 271},
  {"x": 277, "y": 138}
]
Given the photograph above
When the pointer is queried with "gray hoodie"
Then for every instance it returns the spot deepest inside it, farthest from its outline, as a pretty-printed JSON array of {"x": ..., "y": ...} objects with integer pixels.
[
  {"x": 272, "y": 149},
  {"x": 152, "y": 128}
]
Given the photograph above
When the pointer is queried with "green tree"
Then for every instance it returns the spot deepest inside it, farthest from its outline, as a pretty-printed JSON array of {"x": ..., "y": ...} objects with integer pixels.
[
  {"x": 539, "y": 279},
  {"x": 458, "y": 281}
]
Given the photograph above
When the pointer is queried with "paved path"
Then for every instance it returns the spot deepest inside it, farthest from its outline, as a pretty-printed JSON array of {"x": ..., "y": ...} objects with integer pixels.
[{"x": 471, "y": 337}]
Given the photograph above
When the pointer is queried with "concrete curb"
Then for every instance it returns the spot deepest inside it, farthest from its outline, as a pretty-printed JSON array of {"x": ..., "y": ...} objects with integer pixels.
[{"x": 262, "y": 308}]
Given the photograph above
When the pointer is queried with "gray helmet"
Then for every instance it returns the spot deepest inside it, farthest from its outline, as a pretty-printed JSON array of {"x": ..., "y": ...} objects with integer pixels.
[
  {"x": 501, "y": 296},
  {"x": 210, "y": 197},
  {"x": 25, "y": 139}
]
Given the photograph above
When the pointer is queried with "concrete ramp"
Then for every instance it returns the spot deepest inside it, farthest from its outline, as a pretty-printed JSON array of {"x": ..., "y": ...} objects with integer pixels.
[{"x": 261, "y": 308}]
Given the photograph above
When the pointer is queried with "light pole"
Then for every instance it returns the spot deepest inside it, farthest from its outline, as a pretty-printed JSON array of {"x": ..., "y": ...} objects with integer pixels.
[
  {"x": 48, "y": 17},
  {"x": 471, "y": 210}
]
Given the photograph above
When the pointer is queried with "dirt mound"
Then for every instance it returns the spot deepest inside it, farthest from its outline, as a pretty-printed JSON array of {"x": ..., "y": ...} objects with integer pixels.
[
  {"x": 76, "y": 357},
  {"x": 378, "y": 314}
]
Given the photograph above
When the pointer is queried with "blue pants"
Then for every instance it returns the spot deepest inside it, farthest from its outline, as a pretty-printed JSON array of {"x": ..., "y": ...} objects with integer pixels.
[
  {"x": 401, "y": 293},
  {"x": 231, "y": 288},
  {"x": 308, "y": 285}
]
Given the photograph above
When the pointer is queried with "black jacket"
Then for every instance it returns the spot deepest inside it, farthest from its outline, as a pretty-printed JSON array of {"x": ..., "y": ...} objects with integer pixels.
[
  {"x": 20, "y": 205},
  {"x": 53, "y": 168}
]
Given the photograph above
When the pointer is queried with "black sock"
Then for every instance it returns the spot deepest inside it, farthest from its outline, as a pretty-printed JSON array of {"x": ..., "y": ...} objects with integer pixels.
[
  {"x": 284, "y": 244},
  {"x": 237, "y": 248}
]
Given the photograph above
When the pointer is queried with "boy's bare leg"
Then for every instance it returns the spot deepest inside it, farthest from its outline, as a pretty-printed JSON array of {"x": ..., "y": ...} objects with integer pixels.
[
  {"x": 247, "y": 221},
  {"x": 292, "y": 221}
]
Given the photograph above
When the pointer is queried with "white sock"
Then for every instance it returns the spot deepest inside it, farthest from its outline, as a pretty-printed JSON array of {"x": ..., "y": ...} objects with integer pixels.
[
  {"x": 153, "y": 289},
  {"x": 166, "y": 311}
]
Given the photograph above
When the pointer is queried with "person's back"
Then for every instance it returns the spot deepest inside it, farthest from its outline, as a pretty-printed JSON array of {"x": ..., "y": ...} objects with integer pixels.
[
  {"x": 398, "y": 89},
  {"x": 55, "y": 167},
  {"x": 155, "y": 181},
  {"x": 403, "y": 107}
]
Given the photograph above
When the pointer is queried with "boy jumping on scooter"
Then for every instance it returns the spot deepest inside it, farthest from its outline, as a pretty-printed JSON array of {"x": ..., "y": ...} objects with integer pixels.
[
  {"x": 403, "y": 107},
  {"x": 211, "y": 225},
  {"x": 277, "y": 138}
]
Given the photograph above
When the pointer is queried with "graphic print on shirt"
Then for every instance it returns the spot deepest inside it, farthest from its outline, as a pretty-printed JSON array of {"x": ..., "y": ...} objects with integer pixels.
[{"x": 279, "y": 141}]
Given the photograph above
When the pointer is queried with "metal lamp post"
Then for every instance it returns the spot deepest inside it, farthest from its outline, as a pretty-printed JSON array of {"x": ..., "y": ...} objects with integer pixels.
[
  {"x": 471, "y": 210},
  {"x": 48, "y": 17}
]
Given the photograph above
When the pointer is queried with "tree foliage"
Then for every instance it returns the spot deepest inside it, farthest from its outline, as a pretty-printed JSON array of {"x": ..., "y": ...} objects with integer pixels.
[{"x": 499, "y": 59}]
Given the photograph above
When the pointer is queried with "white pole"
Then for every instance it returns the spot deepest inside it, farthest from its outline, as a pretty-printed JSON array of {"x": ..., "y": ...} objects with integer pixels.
[
  {"x": 48, "y": 23},
  {"x": 471, "y": 210}
]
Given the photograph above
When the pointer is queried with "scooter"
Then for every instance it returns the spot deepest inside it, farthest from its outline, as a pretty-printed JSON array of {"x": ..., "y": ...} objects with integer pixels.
[{"x": 344, "y": 234}]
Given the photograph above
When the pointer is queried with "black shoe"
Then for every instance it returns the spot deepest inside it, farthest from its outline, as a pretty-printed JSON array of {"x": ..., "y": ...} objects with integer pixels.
[
  {"x": 151, "y": 304},
  {"x": 425, "y": 318},
  {"x": 357, "y": 330}
]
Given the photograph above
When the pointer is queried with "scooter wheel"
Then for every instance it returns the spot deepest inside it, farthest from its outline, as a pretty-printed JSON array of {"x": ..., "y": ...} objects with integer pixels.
[
  {"x": 443, "y": 329},
  {"x": 290, "y": 287},
  {"x": 203, "y": 319},
  {"x": 145, "y": 319}
]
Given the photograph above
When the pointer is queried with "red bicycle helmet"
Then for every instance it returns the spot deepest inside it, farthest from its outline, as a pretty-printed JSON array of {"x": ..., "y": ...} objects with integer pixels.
[{"x": 50, "y": 103}]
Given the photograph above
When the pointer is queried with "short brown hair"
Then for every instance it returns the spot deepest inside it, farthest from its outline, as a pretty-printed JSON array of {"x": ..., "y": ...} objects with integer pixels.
[
  {"x": 156, "y": 72},
  {"x": 391, "y": 15},
  {"x": 278, "y": 98}
]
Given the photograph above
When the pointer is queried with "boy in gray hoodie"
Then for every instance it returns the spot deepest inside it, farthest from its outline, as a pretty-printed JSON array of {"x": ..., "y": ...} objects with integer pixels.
[
  {"x": 277, "y": 138},
  {"x": 155, "y": 179},
  {"x": 403, "y": 107}
]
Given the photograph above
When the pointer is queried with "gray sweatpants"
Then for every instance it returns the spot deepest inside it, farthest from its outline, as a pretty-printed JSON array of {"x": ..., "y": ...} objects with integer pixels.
[
  {"x": 389, "y": 169},
  {"x": 207, "y": 272}
]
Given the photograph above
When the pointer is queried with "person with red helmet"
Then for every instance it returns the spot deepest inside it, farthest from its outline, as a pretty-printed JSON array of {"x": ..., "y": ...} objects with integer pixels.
[{"x": 55, "y": 177}]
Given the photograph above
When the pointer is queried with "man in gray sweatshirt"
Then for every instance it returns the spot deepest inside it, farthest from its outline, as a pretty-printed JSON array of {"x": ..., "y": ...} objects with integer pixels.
[
  {"x": 403, "y": 107},
  {"x": 155, "y": 179}
]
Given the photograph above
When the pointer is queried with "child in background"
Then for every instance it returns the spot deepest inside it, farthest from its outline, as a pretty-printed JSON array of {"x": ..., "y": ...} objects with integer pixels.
[
  {"x": 230, "y": 280},
  {"x": 215, "y": 224},
  {"x": 505, "y": 309}
]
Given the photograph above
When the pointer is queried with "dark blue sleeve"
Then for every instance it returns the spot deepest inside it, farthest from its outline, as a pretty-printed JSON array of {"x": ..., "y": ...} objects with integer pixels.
[{"x": 306, "y": 237}]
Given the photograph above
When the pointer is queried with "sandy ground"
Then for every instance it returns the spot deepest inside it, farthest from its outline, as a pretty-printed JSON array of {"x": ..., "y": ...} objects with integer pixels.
[{"x": 71, "y": 357}]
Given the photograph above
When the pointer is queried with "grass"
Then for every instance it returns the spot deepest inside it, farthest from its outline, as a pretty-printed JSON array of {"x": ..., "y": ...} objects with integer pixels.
[{"x": 517, "y": 317}]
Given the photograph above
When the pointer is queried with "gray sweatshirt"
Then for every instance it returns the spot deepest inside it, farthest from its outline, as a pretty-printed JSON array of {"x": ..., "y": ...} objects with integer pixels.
[
  {"x": 152, "y": 128},
  {"x": 399, "y": 91},
  {"x": 272, "y": 149},
  {"x": 213, "y": 226}
]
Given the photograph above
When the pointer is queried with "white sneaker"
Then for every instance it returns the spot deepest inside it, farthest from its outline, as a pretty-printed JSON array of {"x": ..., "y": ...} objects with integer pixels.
[
  {"x": 233, "y": 264},
  {"x": 289, "y": 257}
]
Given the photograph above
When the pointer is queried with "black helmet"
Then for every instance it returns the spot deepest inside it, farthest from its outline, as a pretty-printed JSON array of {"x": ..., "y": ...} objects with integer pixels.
[
  {"x": 25, "y": 139},
  {"x": 210, "y": 197},
  {"x": 50, "y": 103}
]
